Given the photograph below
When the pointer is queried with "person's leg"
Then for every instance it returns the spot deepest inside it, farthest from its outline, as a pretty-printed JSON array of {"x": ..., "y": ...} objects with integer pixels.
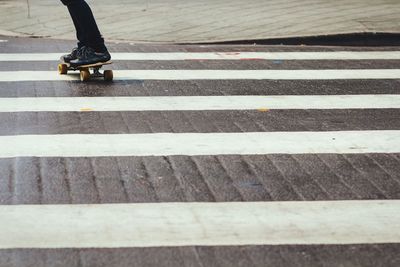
[
  {"x": 78, "y": 29},
  {"x": 87, "y": 31},
  {"x": 79, "y": 32}
]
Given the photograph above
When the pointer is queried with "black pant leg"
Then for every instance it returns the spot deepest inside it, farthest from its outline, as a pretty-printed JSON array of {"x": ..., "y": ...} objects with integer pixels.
[
  {"x": 85, "y": 24},
  {"x": 80, "y": 35}
]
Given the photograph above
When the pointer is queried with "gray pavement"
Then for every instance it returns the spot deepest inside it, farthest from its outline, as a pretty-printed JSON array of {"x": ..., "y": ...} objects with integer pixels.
[
  {"x": 186, "y": 21},
  {"x": 207, "y": 178}
]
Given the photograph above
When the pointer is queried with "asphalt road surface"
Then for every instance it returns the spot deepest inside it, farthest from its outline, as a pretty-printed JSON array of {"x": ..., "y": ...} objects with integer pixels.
[{"x": 200, "y": 156}]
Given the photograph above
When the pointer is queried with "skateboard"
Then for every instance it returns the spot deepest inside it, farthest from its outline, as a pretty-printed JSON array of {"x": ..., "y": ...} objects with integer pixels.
[{"x": 85, "y": 70}]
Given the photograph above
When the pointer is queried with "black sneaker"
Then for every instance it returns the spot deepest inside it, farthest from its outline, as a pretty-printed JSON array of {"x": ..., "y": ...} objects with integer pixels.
[
  {"x": 71, "y": 56},
  {"x": 87, "y": 56}
]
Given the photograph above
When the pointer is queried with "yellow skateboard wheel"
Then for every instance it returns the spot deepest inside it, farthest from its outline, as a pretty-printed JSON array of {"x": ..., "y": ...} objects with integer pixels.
[
  {"x": 108, "y": 75},
  {"x": 85, "y": 75},
  {"x": 62, "y": 69}
]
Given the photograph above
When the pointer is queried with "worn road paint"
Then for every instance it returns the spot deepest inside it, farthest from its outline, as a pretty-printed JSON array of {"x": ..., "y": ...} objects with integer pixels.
[
  {"x": 171, "y": 103},
  {"x": 342, "y": 74},
  {"x": 341, "y": 55},
  {"x": 199, "y": 224},
  {"x": 165, "y": 144}
]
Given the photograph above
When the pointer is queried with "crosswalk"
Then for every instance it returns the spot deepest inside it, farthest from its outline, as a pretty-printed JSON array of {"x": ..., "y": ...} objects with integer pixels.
[
  {"x": 328, "y": 161},
  {"x": 174, "y": 75},
  {"x": 239, "y": 55},
  {"x": 201, "y": 224},
  {"x": 196, "y": 144},
  {"x": 182, "y": 103}
]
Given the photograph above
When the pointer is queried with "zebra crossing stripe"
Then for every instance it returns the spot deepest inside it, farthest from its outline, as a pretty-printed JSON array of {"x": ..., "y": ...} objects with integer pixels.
[
  {"x": 199, "y": 224},
  {"x": 171, "y": 103},
  {"x": 165, "y": 144},
  {"x": 337, "y": 55},
  {"x": 337, "y": 74}
]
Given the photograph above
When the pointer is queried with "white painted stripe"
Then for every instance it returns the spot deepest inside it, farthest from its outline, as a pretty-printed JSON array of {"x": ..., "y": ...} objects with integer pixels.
[
  {"x": 15, "y": 76},
  {"x": 162, "y": 144},
  {"x": 165, "y": 103},
  {"x": 338, "y": 55},
  {"x": 199, "y": 224}
]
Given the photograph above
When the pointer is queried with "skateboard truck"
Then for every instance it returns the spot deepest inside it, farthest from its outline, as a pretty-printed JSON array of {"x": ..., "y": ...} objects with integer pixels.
[{"x": 85, "y": 71}]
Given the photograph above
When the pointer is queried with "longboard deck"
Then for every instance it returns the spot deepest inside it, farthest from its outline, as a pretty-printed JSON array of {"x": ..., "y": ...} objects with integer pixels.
[{"x": 99, "y": 64}]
